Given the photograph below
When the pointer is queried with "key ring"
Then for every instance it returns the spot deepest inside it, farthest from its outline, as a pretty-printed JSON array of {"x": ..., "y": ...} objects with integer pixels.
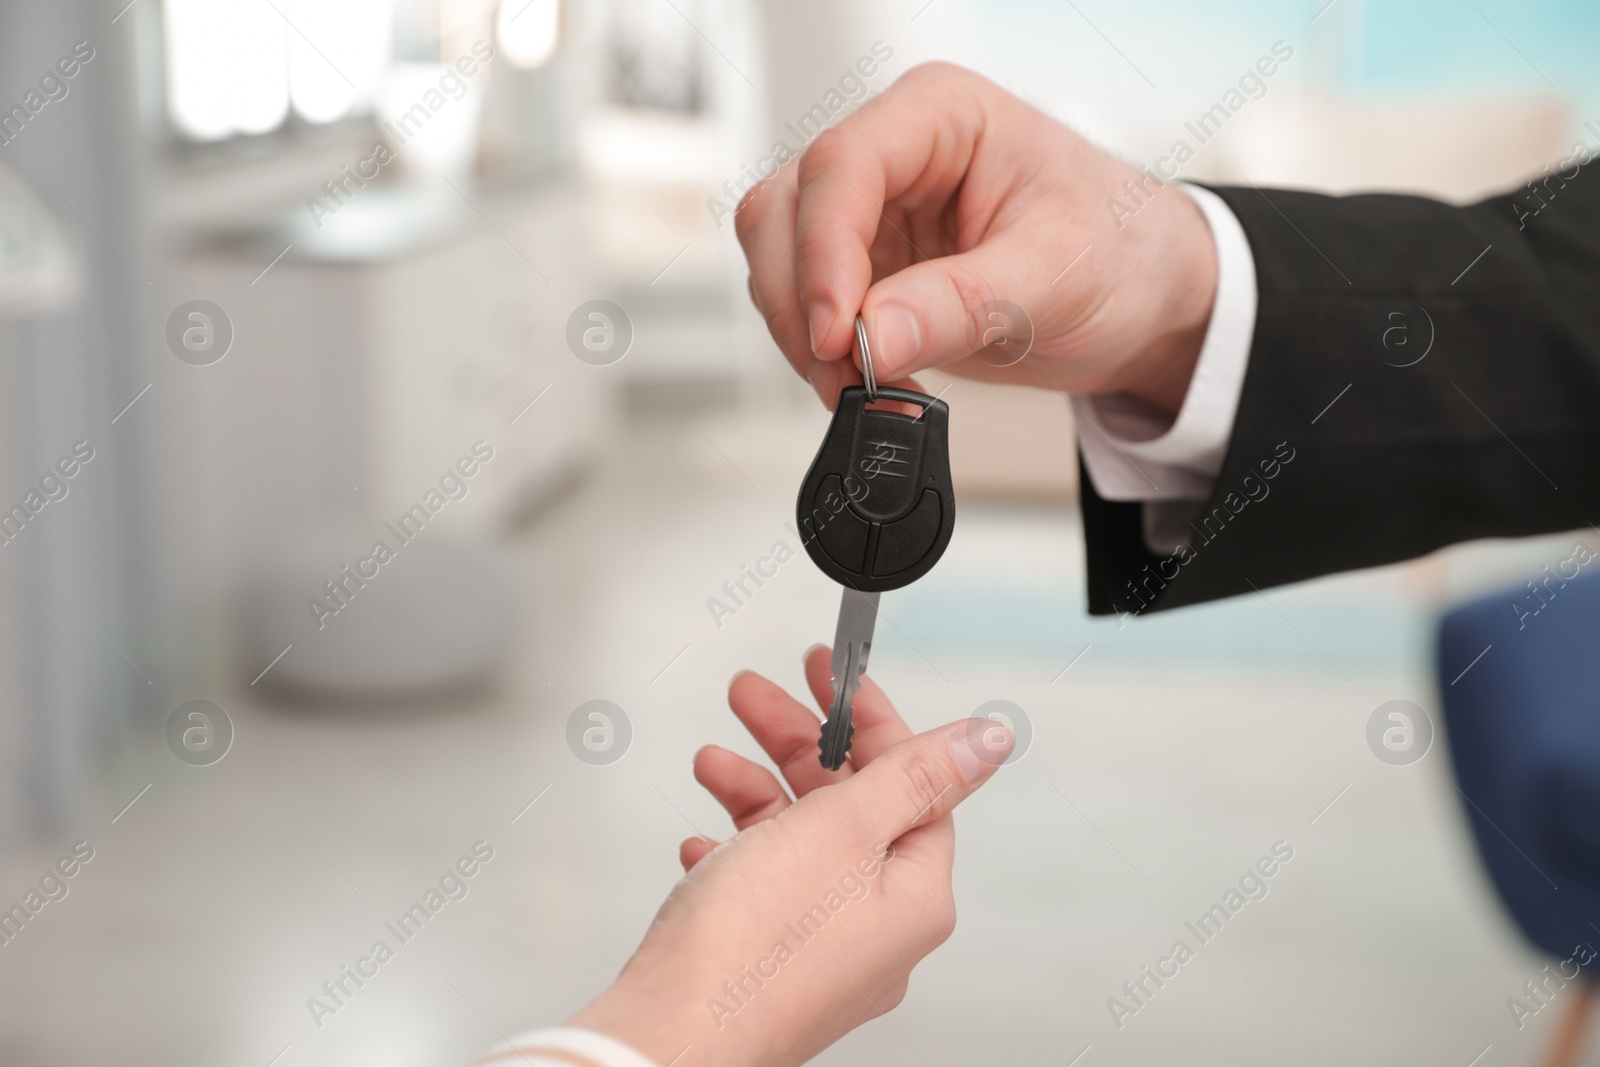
[{"x": 869, "y": 377}]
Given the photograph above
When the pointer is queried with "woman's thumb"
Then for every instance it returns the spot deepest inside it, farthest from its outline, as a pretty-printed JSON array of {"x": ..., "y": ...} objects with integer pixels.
[{"x": 922, "y": 779}]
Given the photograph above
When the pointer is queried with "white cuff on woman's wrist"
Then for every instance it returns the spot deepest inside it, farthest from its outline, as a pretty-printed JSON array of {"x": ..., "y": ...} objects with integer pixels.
[{"x": 563, "y": 1046}]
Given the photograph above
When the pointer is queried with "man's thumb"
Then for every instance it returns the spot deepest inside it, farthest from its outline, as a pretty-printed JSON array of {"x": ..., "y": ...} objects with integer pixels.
[
  {"x": 922, "y": 779},
  {"x": 942, "y": 310}
]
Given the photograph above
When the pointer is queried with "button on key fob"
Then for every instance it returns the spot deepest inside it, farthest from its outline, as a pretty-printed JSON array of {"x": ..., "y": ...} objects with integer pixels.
[{"x": 876, "y": 510}]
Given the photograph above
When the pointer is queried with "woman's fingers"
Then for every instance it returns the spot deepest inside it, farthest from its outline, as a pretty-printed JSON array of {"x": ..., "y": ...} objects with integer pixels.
[
  {"x": 784, "y": 728},
  {"x": 877, "y": 724},
  {"x": 747, "y": 791}
]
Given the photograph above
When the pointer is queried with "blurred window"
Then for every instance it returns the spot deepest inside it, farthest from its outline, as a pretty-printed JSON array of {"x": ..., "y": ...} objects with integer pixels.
[
  {"x": 527, "y": 31},
  {"x": 246, "y": 66},
  {"x": 241, "y": 66}
]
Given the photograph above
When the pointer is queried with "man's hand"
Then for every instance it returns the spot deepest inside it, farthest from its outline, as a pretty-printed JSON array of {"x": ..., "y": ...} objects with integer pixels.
[
  {"x": 944, "y": 194},
  {"x": 808, "y": 921}
]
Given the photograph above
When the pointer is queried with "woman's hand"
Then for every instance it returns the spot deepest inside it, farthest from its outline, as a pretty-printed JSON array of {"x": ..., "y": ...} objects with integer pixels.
[
  {"x": 808, "y": 921},
  {"x": 944, "y": 195}
]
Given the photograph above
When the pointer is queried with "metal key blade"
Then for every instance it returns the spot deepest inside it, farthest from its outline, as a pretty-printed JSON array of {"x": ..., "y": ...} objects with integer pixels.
[{"x": 852, "y": 644}]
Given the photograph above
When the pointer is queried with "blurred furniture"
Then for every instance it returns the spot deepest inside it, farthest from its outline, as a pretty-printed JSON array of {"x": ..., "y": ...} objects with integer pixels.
[
  {"x": 414, "y": 322},
  {"x": 1521, "y": 686},
  {"x": 371, "y": 353}
]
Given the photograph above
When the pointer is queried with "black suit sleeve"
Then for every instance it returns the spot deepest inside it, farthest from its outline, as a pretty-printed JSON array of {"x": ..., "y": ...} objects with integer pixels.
[{"x": 1420, "y": 374}]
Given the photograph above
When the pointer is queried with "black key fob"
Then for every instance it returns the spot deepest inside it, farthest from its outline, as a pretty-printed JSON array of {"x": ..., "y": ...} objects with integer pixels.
[{"x": 876, "y": 509}]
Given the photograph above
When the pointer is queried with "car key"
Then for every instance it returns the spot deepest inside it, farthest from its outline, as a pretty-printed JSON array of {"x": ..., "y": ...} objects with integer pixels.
[
  {"x": 876, "y": 511},
  {"x": 852, "y": 644}
]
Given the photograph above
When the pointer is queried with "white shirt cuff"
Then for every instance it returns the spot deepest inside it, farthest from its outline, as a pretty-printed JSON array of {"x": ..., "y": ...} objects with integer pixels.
[
  {"x": 563, "y": 1046},
  {"x": 1131, "y": 451}
]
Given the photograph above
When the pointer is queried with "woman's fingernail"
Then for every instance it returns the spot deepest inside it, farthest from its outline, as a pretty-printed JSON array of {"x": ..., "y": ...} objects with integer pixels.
[
  {"x": 979, "y": 747},
  {"x": 822, "y": 316},
  {"x": 897, "y": 340},
  {"x": 808, "y": 652}
]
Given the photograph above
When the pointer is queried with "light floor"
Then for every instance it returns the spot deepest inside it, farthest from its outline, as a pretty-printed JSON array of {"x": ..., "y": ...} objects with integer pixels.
[{"x": 1168, "y": 758}]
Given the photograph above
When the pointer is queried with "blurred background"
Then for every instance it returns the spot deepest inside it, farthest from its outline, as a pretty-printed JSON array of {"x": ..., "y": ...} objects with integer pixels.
[{"x": 284, "y": 279}]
